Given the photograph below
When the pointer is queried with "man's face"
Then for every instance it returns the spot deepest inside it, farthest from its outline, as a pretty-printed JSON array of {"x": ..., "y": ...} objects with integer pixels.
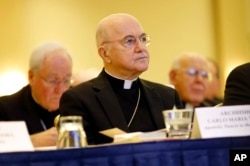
[
  {"x": 51, "y": 80},
  {"x": 127, "y": 50},
  {"x": 191, "y": 81}
]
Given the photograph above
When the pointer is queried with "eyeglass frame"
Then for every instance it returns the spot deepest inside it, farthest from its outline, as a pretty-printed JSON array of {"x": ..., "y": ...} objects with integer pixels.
[
  {"x": 125, "y": 41},
  {"x": 195, "y": 72},
  {"x": 55, "y": 82}
]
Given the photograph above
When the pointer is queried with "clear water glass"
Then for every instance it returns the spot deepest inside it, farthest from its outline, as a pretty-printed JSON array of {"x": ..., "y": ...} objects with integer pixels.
[
  {"x": 178, "y": 123},
  {"x": 71, "y": 133}
]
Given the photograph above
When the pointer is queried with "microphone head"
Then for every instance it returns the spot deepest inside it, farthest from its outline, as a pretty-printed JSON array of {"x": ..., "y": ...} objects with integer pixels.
[{"x": 56, "y": 121}]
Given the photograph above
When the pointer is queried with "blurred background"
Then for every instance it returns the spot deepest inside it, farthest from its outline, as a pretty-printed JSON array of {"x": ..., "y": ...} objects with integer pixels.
[{"x": 218, "y": 29}]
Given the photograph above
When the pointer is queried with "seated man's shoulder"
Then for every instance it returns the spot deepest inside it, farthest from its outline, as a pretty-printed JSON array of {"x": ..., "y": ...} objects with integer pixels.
[
  {"x": 158, "y": 86},
  {"x": 238, "y": 76},
  {"x": 244, "y": 66},
  {"x": 19, "y": 95},
  {"x": 244, "y": 69},
  {"x": 82, "y": 88},
  {"x": 11, "y": 105}
]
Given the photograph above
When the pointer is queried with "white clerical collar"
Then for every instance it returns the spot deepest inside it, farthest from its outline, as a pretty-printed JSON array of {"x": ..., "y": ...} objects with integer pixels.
[{"x": 127, "y": 83}]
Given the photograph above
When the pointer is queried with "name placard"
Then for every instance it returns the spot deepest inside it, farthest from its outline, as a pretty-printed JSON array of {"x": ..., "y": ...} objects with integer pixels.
[
  {"x": 224, "y": 121},
  {"x": 14, "y": 137}
]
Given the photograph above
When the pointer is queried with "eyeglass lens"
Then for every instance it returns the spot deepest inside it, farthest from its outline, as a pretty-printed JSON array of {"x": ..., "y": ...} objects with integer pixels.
[
  {"x": 130, "y": 41},
  {"x": 195, "y": 72}
]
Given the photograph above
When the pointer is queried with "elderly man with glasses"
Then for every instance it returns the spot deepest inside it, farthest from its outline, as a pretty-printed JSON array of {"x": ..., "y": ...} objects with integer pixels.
[
  {"x": 189, "y": 75},
  {"x": 117, "y": 97},
  {"x": 37, "y": 103}
]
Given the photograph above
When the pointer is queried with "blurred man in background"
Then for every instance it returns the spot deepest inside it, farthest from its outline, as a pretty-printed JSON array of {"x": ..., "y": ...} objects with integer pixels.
[
  {"x": 189, "y": 75},
  {"x": 37, "y": 103}
]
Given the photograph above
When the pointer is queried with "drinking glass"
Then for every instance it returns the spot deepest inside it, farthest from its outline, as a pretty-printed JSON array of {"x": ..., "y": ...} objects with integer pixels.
[
  {"x": 178, "y": 123},
  {"x": 71, "y": 133}
]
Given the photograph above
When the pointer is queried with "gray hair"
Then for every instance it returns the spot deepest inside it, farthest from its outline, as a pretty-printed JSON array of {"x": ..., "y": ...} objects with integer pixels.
[
  {"x": 38, "y": 54},
  {"x": 176, "y": 64}
]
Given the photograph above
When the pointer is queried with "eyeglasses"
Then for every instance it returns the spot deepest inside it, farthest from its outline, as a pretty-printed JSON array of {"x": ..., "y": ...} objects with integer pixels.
[
  {"x": 194, "y": 72},
  {"x": 130, "y": 41},
  {"x": 54, "y": 81}
]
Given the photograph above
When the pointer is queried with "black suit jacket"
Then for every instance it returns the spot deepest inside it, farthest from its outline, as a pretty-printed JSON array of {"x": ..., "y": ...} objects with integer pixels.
[
  {"x": 21, "y": 107},
  {"x": 237, "y": 89},
  {"x": 96, "y": 102}
]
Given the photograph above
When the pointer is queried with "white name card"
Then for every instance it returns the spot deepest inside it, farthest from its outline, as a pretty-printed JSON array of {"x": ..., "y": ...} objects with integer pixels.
[
  {"x": 224, "y": 121},
  {"x": 14, "y": 137}
]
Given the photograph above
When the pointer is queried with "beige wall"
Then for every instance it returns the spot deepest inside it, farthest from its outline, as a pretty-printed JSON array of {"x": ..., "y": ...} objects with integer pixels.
[
  {"x": 232, "y": 33},
  {"x": 175, "y": 26}
]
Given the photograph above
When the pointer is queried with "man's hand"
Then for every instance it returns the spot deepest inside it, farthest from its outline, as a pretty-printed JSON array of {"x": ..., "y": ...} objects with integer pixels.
[{"x": 45, "y": 138}]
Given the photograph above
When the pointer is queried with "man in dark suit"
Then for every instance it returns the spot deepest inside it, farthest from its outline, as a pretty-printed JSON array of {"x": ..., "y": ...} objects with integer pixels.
[
  {"x": 237, "y": 89},
  {"x": 118, "y": 97},
  {"x": 37, "y": 103}
]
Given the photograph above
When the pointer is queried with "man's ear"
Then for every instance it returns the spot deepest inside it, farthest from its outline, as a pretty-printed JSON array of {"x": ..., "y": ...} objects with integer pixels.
[
  {"x": 172, "y": 76},
  {"x": 103, "y": 53},
  {"x": 30, "y": 76}
]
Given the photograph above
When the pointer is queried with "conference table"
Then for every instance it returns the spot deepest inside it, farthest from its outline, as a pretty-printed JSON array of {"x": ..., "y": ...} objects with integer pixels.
[{"x": 192, "y": 152}]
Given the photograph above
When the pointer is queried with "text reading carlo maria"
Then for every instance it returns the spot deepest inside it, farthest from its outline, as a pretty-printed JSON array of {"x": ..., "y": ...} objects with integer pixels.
[{"x": 229, "y": 119}]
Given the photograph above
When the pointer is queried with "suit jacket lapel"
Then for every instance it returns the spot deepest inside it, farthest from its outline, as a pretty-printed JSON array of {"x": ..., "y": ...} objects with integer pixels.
[
  {"x": 108, "y": 100},
  {"x": 155, "y": 106},
  {"x": 32, "y": 119}
]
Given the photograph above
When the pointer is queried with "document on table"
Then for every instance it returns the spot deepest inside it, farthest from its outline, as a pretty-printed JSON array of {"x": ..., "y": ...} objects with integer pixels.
[
  {"x": 120, "y": 136},
  {"x": 14, "y": 137}
]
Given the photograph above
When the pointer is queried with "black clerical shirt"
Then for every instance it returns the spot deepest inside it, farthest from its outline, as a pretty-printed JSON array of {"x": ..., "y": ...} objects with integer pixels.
[{"x": 128, "y": 98}]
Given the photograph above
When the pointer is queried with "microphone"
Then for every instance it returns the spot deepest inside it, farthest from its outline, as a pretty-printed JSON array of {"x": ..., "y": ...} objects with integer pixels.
[{"x": 56, "y": 121}]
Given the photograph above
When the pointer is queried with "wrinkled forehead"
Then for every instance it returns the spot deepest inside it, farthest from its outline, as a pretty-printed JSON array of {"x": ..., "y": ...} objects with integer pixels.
[
  {"x": 120, "y": 26},
  {"x": 197, "y": 63}
]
